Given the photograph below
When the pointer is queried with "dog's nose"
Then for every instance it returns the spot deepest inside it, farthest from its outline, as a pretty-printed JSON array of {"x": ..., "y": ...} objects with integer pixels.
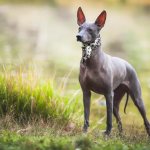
[{"x": 79, "y": 37}]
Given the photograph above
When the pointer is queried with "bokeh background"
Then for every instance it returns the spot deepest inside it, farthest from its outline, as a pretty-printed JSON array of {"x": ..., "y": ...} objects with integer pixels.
[{"x": 40, "y": 36}]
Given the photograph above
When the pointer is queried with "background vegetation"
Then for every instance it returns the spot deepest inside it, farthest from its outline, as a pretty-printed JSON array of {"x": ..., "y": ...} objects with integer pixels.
[{"x": 40, "y": 97}]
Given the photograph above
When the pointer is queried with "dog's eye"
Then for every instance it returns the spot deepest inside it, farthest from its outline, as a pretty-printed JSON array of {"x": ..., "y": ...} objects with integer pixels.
[
  {"x": 89, "y": 30},
  {"x": 79, "y": 29}
]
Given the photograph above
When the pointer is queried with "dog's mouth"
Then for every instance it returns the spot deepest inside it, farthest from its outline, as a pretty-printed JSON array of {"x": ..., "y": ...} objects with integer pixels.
[
  {"x": 80, "y": 39},
  {"x": 85, "y": 42}
]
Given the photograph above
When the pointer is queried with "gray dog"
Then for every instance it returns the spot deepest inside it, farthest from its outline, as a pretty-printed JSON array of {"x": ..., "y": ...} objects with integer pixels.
[{"x": 103, "y": 74}]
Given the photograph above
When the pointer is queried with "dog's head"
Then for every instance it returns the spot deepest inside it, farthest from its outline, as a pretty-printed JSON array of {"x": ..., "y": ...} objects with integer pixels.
[{"x": 88, "y": 32}]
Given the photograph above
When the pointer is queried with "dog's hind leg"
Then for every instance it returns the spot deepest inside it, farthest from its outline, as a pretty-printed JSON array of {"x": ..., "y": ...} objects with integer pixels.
[
  {"x": 118, "y": 94},
  {"x": 135, "y": 93}
]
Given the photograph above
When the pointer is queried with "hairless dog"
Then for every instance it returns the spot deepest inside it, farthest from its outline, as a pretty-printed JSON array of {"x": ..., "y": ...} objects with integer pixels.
[{"x": 106, "y": 75}]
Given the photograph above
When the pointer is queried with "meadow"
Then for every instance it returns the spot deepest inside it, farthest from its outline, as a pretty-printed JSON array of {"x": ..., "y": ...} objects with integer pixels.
[{"x": 40, "y": 97}]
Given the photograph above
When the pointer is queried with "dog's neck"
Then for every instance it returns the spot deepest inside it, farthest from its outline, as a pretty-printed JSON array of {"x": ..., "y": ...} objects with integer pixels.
[{"x": 89, "y": 49}]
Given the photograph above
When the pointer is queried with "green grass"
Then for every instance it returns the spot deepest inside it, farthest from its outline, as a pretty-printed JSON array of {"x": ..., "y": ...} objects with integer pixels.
[
  {"x": 10, "y": 140},
  {"x": 35, "y": 115},
  {"x": 25, "y": 96}
]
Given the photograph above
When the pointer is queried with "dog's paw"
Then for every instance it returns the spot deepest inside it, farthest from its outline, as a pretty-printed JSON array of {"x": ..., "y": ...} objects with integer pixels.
[
  {"x": 84, "y": 130},
  {"x": 106, "y": 134}
]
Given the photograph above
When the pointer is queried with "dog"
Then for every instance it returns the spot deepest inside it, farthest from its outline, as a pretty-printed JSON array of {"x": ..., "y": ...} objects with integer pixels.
[{"x": 101, "y": 73}]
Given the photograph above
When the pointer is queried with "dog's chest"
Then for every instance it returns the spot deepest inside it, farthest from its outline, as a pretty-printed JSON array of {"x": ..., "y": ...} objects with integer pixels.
[{"x": 93, "y": 79}]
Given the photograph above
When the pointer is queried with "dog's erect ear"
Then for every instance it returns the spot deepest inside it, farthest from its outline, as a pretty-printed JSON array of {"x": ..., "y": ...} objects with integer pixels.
[
  {"x": 100, "y": 21},
  {"x": 80, "y": 16}
]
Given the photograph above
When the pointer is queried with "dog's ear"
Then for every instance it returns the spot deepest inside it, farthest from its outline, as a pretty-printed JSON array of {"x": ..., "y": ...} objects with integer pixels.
[
  {"x": 100, "y": 21},
  {"x": 80, "y": 16}
]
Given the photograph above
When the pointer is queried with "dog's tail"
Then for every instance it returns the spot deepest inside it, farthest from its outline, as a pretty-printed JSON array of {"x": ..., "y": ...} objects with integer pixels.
[{"x": 126, "y": 103}]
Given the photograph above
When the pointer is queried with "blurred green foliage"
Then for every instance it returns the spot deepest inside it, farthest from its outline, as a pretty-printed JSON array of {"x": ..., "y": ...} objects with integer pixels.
[{"x": 52, "y": 2}]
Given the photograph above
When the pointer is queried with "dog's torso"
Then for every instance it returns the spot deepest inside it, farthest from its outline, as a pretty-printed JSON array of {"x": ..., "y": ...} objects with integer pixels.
[{"x": 101, "y": 72}]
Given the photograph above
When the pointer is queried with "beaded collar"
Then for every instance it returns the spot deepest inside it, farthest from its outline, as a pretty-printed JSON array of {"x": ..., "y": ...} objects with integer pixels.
[{"x": 88, "y": 48}]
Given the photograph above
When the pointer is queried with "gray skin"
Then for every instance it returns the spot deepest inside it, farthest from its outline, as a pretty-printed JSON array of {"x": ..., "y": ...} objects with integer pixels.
[{"x": 106, "y": 75}]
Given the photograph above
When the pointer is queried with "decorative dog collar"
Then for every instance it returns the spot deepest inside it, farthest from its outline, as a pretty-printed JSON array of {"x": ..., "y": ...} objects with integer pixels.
[{"x": 87, "y": 49}]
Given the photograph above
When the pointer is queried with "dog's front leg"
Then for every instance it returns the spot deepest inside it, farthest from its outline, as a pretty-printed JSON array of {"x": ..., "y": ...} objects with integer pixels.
[
  {"x": 86, "y": 103},
  {"x": 109, "y": 103}
]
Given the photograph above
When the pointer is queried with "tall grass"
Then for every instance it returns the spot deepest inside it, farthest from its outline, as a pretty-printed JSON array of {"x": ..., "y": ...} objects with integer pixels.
[{"x": 26, "y": 96}]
